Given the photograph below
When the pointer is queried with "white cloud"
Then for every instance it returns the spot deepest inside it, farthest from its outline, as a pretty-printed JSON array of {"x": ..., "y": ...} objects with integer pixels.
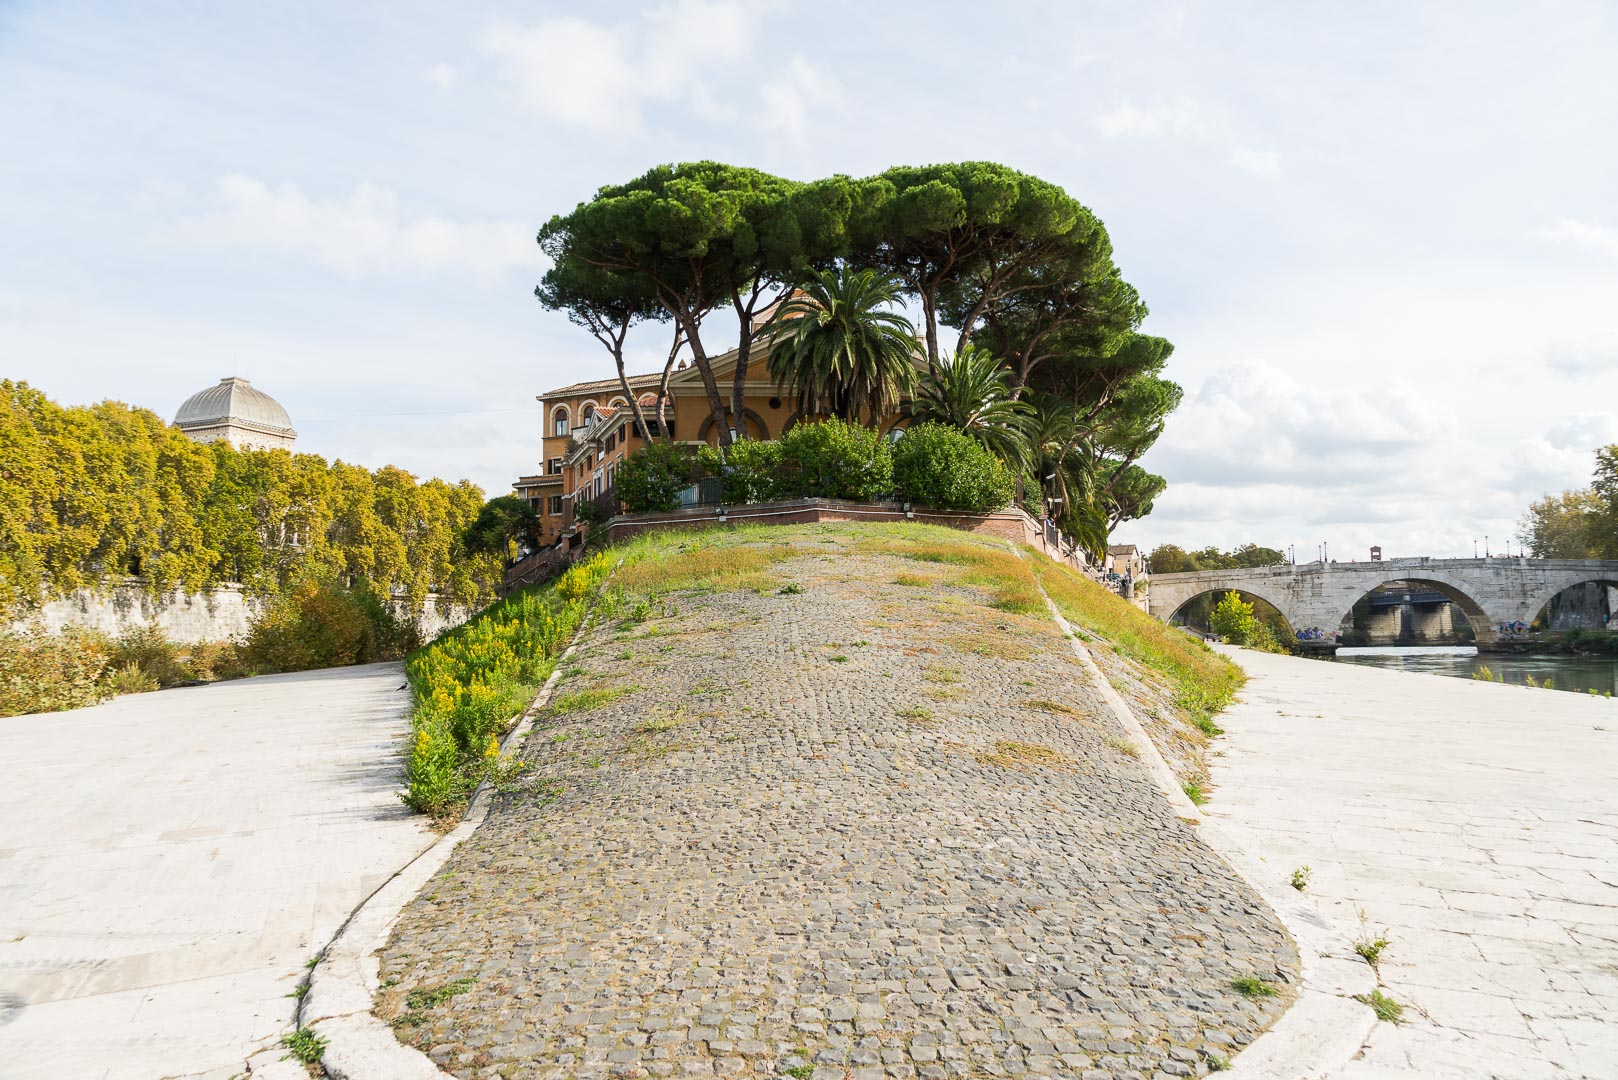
[
  {"x": 1584, "y": 432},
  {"x": 1183, "y": 118},
  {"x": 443, "y": 75},
  {"x": 602, "y": 77},
  {"x": 787, "y": 100},
  {"x": 1187, "y": 121},
  {"x": 570, "y": 70},
  {"x": 1259, "y": 162},
  {"x": 1599, "y": 239},
  {"x": 1593, "y": 356},
  {"x": 360, "y": 233}
]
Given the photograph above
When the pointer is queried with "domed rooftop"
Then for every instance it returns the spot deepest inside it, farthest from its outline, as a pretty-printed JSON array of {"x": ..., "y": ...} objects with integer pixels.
[{"x": 234, "y": 401}]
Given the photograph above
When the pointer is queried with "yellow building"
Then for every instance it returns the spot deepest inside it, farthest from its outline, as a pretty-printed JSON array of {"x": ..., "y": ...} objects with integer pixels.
[{"x": 589, "y": 430}]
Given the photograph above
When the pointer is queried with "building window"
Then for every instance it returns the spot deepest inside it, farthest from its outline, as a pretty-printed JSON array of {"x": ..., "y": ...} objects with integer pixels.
[
  {"x": 556, "y": 505},
  {"x": 555, "y": 467},
  {"x": 559, "y": 421}
]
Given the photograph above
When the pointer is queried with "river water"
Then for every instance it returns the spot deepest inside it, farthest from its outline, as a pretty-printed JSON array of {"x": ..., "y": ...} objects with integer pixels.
[{"x": 1579, "y": 674}]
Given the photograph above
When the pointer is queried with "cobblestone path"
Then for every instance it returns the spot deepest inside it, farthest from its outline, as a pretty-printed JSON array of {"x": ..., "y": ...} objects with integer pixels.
[{"x": 869, "y": 830}]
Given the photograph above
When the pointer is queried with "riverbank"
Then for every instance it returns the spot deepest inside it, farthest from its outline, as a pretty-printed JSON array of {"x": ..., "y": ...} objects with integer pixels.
[{"x": 1475, "y": 827}]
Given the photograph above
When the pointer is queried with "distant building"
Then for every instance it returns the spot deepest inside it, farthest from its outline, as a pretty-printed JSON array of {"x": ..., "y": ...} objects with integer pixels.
[
  {"x": 589, "y": 430},
  {"x": 1125, "y": 560},
  {"x": 236, "y": 412}
]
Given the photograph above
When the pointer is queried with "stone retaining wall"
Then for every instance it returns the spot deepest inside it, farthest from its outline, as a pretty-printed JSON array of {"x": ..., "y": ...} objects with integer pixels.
[{"x": 217, "y": 614}]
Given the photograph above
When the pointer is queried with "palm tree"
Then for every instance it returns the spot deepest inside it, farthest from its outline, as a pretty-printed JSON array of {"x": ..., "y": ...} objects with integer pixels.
[
  {"x": 972, "y": 391},
  {"x": 841, "y": 348}
]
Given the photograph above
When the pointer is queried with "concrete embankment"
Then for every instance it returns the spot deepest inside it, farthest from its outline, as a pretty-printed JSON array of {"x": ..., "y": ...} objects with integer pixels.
[{"x": 1474, "y": 826}]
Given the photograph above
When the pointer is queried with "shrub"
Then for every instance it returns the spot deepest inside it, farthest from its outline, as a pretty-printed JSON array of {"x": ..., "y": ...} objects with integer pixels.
[
  {"x": 748, "y": 471},
  {"x": 147, "y": 650},
  {"x": 316, "y": 623},
  {"x": 471, "y": 682},
  {"x": 947, "y": 469},
  {"x": 130, "y": 679},
  {"x": 651, "y": 479},
  {"x": 1233, "y": 620},
  {"x": 44, "y": 673},
  {"x": 833, "y": 459}
]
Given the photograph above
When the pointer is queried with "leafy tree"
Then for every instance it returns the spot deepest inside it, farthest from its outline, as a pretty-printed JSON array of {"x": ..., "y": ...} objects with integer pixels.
[
  {"x": 943, "y": 467},
  {"x": 1128, "y": 492},
  {"x": 607, "y": 305},
  {"x": 504, "y": 526},
  {"x": 972, "y": 391},
  {"x": 1172, "y": 559},
  {"x": 833, "y": 459},
  {"x": 961, "y": 234},
  {"x": 1605, "y": 487},
  {"x": 1581, "y": 523},
  {"x": 837, "y": 342},
  {"x": 1233, "y": 619},
  {"x": 651, "y": 479},
  {"x": 695, "y": 237},
  {"x": 91, "y": 495}
]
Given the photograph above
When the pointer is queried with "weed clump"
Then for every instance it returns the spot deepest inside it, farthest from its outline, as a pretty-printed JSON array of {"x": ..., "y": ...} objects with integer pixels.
[
  {"x": 1384, "y": 1006},
  {"x": 1253, "y": 987}
]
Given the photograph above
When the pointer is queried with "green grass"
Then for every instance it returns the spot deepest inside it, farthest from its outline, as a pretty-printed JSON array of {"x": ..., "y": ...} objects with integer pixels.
[
  {"x": 1193, "y": 791},
  {"x": 1385, "y": 1007},
  {"x": 593, "y": 697},
  {"x": 1371, "y": 949},
  {"x": 304, "y": 1046},
  {"x": 1300, "y": 878},
  {"x": 916, "y": 714},
  {"x": 1253, "y": 987},
  {"x": 428, "y": 997},
  {"x": 1202, "y": 681}
]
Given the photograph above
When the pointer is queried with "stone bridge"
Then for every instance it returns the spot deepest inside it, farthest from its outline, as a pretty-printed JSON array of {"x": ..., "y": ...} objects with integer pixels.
[{"x": 1489, "y": 592}]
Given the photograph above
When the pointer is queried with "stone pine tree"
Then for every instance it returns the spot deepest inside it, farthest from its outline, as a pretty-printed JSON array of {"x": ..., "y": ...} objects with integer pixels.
[
  {"x": 607, "y": 305},
  {"x": 700, "y": 236}
]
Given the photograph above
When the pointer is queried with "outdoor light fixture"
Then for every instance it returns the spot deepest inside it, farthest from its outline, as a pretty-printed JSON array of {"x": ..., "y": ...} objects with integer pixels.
[
  {"x": 720, "y": 515},
  {"x": 910, "y": 513}
]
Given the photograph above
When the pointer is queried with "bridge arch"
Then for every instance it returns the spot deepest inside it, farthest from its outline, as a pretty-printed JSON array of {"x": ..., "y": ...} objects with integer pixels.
[
  {"x": 1539, "y": 599},
  {"x": 1269, "y": 599},
  {"x": 1481, "y": 621}
]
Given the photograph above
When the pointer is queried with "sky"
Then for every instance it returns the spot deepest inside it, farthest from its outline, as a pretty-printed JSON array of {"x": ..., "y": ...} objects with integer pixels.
[{"x": 1383, "y": 237}]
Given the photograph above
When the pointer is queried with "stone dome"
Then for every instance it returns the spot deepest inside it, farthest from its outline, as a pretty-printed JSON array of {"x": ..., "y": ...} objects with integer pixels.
[{"x": 234, "y": 410}]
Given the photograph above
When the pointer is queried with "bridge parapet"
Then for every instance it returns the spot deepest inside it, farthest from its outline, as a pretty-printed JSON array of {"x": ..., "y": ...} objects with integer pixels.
[{"x": 1491, "y": 592}]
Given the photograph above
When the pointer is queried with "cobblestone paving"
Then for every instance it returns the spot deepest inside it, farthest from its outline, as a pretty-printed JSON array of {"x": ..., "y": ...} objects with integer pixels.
[{"x": 822, "y": 836}]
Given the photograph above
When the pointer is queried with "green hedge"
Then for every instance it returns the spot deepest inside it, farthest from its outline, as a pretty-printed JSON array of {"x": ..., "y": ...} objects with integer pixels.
[{"x": 944, "y": 468}]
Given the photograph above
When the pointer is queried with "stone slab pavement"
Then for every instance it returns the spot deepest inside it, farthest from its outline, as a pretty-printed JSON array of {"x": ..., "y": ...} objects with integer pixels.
[
  {"x": 170, "y": 861},
  {"x": 1476, "y": 823}
]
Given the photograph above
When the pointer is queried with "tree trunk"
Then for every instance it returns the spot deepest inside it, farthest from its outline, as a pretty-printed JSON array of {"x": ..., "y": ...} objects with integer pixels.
[
  {"x": 663, "y": 386},
  {"x": 738, "y": 385},
  {"x": 634, "y": 402},
  {"x": 929, "y": 315},
  {"x": 710, "y": 385}
]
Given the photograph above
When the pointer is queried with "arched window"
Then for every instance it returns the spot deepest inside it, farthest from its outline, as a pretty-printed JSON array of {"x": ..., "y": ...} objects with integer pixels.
[
  {"x": 559, "y": 419},
  {"x": 588, "y": 415}
]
